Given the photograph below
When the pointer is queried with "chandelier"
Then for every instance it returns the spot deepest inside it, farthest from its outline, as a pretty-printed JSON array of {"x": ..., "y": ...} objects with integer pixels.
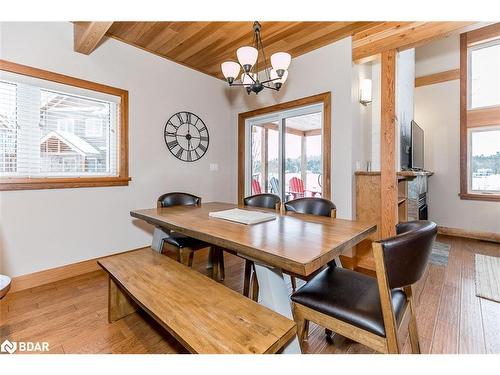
[{"x": 248, "y": 58}]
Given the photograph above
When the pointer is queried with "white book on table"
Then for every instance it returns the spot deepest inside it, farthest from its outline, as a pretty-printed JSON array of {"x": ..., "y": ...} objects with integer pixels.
[{"x": 243, "y": 216}]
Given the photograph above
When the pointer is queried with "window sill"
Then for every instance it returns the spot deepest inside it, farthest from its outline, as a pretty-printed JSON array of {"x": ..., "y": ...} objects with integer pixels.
[
  {"x": 7, "y": 184},
  {"x": 480, "y": 197}
]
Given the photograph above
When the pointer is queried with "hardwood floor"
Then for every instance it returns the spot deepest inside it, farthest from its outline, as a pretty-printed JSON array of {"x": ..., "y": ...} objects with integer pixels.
[{"x": 72, "y": 314}]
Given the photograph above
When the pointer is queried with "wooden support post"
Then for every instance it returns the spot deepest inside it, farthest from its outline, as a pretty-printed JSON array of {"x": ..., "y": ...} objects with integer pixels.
[
  {"x": 119, "y": 304},
  {"x": 388, "y": 179}
]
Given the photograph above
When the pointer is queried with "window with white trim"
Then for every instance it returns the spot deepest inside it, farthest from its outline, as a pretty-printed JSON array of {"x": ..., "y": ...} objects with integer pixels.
[
  {"x": 480, "y": 114},
  {"x": 484, "y": 75},
  {"x": 52, "y": 130},
  {"x": 484, "y": 160}
]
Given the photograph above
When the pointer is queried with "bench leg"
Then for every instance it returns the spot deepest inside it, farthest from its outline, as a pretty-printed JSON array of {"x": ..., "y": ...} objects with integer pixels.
[
  {"x": 119, "y": 304},
  {"x": 273, "y": 293}
]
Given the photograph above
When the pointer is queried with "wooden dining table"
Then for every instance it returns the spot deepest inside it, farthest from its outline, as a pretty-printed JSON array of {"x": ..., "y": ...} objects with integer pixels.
[{"x": 295, "y": 243}]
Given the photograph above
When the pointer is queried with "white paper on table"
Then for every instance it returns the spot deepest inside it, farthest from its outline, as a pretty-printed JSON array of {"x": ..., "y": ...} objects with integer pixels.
[{"x": 243, "y": 216}]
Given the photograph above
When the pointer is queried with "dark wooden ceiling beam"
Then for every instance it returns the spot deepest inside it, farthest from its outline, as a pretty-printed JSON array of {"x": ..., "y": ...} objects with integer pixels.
[{"x": 89, "y": 35}]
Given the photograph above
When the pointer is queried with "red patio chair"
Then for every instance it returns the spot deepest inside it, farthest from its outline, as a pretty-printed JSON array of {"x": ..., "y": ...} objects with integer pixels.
[
  {"x": 256, "y": 187},
  {"x": 297, "y": 189}
]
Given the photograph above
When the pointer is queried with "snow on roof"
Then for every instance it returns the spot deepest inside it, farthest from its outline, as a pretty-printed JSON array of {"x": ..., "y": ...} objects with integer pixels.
[{"x": 73, "y": 141}]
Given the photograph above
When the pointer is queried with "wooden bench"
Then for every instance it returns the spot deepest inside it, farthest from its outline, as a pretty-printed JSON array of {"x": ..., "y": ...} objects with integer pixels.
[{"x": 203, "y": 315}]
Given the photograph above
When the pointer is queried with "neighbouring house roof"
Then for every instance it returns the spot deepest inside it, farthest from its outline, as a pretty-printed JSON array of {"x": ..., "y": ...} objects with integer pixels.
[{"x": 73, "y": 141}]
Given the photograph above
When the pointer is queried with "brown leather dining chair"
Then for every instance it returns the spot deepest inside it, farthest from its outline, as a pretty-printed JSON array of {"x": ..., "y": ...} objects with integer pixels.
[
  {"x": 185, "y": 246},
  {"x": 310, "y": 206},
  {"x": 264, "y": 200},
  {"x": 371, "y": 311}
]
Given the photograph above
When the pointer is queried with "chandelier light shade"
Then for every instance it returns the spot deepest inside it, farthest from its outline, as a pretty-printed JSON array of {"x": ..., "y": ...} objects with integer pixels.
[
  {"x": 231, "y": 70},
  {"x": 249, "y": 57},
  {"x": 280, "y": 61}
]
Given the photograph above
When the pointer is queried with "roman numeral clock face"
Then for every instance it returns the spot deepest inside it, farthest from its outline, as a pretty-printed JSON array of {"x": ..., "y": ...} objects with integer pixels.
[{"x": 186, "y": 136}]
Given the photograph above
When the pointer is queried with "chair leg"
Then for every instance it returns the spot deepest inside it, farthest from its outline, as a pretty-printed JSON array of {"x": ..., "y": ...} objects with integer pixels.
[
  {"x": 306, "y": 330},
  {"x": 294, "y": 283},
  {"x": 415, "y": 344},
  {"x": 210, "y": 262},
  {"x": 413, "y": 331},
  {"x": 255, "y": 286},
  {"x": 222, "y": 272},
  {"x": 247, "y": 277},
  {"x": 215, "y": 263},
  {"x": 190, "y": 259},
  {"x": 412, "y": 325},
  {"x": 302, "y": 324}
]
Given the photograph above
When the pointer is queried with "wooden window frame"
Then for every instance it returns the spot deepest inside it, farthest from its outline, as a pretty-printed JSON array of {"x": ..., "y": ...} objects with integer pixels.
[
  {"x": 473, "y": 118},
  {"x": 16, "y": 183},
  {"x": 323, "y": 98}
]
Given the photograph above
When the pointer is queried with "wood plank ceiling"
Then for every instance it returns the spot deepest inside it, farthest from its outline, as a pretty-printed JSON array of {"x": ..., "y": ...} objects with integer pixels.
[{"x": 203, "y": 46}]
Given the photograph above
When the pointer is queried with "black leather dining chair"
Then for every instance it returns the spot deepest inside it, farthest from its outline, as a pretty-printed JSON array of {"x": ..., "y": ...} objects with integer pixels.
[
  {"x": 184, "y": 245},
  {"x": 371, "y": 310},
  {"x": 310, "y": 206},
  {"x": 265, "y": 200}
]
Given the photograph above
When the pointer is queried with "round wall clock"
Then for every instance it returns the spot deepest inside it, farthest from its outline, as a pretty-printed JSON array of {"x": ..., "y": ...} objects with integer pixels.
[{"x": 186, "y": 136}]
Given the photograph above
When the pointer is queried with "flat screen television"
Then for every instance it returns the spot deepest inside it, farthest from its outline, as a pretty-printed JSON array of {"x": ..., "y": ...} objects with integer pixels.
[{"x": 417, "y": 146}]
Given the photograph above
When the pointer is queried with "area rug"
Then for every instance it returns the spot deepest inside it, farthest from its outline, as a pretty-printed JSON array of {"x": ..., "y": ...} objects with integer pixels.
[
  {"x": 440, "y": 253},
  {"x": 488, "y": 277}
]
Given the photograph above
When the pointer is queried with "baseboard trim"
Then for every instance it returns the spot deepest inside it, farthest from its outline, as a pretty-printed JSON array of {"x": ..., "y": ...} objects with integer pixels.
[
  {"x": 457, "y": 232},
  {"x": 51, "y": 275}
]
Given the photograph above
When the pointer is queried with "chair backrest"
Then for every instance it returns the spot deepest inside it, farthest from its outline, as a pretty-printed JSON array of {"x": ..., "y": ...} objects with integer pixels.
[
  {"x": 178, "y": 199},
  {"x": 311, "y": 206},
  {"x": 256, "y": 186},
  {"x": 405, "y": 256},
  {"x": 274, "y": 185},
  {"x": 296, "y": 185},
  {"x": 265, "y": 200}
]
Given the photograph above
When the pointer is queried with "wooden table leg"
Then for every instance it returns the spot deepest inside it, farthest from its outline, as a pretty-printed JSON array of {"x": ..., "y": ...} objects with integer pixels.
[{"x": 119, "y": 304}]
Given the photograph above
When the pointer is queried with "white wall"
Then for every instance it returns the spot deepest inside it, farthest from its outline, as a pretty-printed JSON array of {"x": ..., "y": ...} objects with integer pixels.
[
  {"x": 363, "y": 115},
  {"x": 48, "y": 228},
  {"x": 405, "y": 85},
  {"x": 437, "y": 111},
  {"x": 328, "y": 68}
]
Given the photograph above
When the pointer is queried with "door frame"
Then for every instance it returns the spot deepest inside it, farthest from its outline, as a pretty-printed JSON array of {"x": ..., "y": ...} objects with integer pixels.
[{"x": 323, "y": 98}]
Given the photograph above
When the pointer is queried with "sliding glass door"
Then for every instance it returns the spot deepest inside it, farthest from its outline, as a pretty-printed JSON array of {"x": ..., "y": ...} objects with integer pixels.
[{"x": 284, "y": 153}]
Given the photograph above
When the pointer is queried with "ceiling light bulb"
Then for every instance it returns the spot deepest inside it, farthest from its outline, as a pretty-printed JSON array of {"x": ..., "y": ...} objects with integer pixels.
[
  {"x": 281, "y": 60},
  {"x": 247, "y": 56},
  {"x": 230, "y": 69}
]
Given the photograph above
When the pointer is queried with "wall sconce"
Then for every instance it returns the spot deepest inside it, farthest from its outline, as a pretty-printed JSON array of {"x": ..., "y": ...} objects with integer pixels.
[{"x": 365, "y": 91}]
